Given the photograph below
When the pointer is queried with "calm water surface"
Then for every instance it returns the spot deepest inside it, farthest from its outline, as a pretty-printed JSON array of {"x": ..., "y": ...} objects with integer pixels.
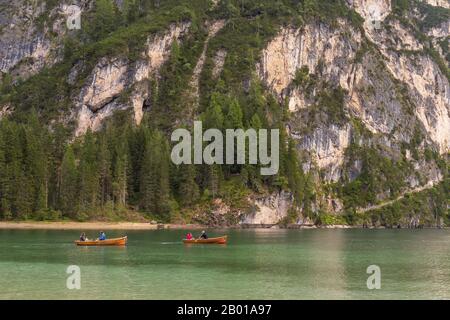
[{"x": 255, "y": 264}]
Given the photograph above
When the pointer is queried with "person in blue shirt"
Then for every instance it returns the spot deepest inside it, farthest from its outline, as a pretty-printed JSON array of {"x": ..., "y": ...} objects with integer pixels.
[{"x": 102, "y": 236}]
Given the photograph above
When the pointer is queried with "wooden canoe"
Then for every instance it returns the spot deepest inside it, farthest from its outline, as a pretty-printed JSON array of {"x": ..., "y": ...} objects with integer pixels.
[
  {"x": 219, "y": 240},
  {"x": 108, "y": 242}
]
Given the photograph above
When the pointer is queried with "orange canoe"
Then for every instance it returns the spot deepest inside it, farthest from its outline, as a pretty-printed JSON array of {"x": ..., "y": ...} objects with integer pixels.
[
  {"x": 108, "y": 242},
  {"x": 219, "y": 240}
]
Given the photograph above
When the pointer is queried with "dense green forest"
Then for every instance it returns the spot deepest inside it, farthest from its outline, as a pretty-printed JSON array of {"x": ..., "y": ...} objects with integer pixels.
[
  {"x": 123, "y": 167},
  {"x": 124, "y": 171}
]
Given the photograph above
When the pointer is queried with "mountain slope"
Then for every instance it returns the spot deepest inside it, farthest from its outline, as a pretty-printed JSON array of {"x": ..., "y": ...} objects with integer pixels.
[{"x": 360, "y": 90}]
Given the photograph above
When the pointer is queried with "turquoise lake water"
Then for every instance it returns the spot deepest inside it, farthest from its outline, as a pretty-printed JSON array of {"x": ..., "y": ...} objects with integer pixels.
[{"x": 255, "y": 264}]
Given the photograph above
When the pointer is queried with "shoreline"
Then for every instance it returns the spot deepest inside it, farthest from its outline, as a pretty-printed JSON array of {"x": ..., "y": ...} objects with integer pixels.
[
  {"x": 100, "y": 225},
  {"x": 92, "y": 225}
]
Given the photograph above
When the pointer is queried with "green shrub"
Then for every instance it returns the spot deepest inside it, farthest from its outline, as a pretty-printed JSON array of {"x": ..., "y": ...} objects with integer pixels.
[
  {"x": 329, "y": 219},
  {"x": 47, "y": 215}
]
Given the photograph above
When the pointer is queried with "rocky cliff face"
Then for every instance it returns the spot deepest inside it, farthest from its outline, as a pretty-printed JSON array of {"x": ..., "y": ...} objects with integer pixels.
[
  {"x": 325, "y": 51},
  {"x": 438, "y": 3},
  {"x": 391, "y": 86},
  {"x": 110, "y": 77},
  {"x": 337, "y": 57},
  {"x": 269, "y": 210},
  {"x": 31, "y": 36}
]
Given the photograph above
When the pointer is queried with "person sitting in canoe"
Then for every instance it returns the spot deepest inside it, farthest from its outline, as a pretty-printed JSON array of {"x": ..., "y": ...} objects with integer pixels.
[
  {"x": 102, "y": 236},
  {"x": 83, "y": 237},
  {"x": 203, "y": 235},
  {"x": 189, "y": 236}
]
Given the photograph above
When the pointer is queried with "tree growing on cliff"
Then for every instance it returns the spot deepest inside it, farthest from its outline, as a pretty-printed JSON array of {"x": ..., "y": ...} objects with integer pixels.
[{"x": 105, "y": 20}]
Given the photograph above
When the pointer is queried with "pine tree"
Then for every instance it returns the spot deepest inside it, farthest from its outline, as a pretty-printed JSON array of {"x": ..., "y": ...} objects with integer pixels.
[
  {"x": 120, "y": 181},
  {"x": 12, "y": 156},
  {"x": 188, "y": 188},
  {"x": 256, "y": 102},
  {"x": 105, "y": 20},
  {"x": 104, "y": 167},
  {"x": 56, "y": 150},
  {"x": 148, "y": 180},
  {"x": 154, "y": 178},
  {"x": 130, "y": 11},
  {"x": 24, "y": 195},
  {"x": 233, "y": 120},
  {"x": 293, "y": 172},
  {"x": 213, "y": 116},
  {"x": 164, "y": 196},
  {"x": 120, "y": 173},
  {"x": 255, "y": 122},
  {"x": 170, "y": 103},
  {"x": 21, "y": 179},
  {"x": 88, "y": 174},
  {"x": 234, "y": 116},
  {"x": 36, "y": 161},
  {"x": 280, "y": 180},
  {"x": 4, "y": 206},
  {"x": 69, "y": 184},
  {"x": 250, "y": 175},
  {"x": 137, "y": 142}
]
